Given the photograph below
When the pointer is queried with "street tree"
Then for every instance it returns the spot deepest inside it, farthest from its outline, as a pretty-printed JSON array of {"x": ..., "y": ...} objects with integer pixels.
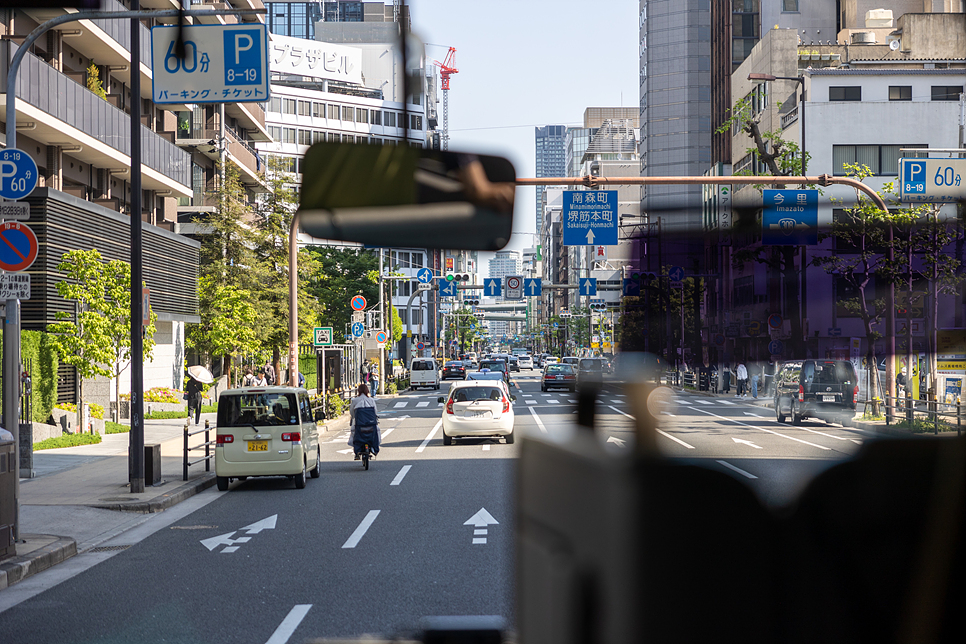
[
  {"x": 342, "y": 273},
  {"x": 228, "y": 320},
  {"x": 96, "y": 339}
]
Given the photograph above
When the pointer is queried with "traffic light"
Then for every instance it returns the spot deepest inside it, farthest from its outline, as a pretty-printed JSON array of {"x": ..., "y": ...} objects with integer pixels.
[
  {"x": 471, "y": 302},
  {"x": 598, "y": 306},
  {"x": 458, "y": 277}
]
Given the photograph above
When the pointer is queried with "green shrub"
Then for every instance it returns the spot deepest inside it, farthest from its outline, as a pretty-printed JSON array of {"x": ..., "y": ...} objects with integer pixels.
[
  {"x": 68, "y": 440},
  {"x": 156, "y": 415},
  {"x": 97, "y": 411},
  {"x": 391, "y": 387},
  {"x": 307, "y": 365},
  {"x": 923, "y": 426},
  {"x": 37, "y": 350},
  {"x": 110, "y": 427},
  {"x": 336, "y": 405},
  {"x": 402, "y": 384}
]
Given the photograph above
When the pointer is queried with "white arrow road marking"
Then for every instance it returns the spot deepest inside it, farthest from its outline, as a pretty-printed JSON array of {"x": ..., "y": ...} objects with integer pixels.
[
  {"x": 224, "y": 540},
  {"x": 619, "y": 441},
  {"x": 537, "y": 418},
  {"x": 360, "y": 532},
  {"x": 739, "y": 470},
  {"x": 744, "y": 442},
  {"x": 748, "y": 413},
  {"x": 664, "y": 434},
  {"x": 402, "y": 474},
  {"x": 425, "y": 442},
  {"x": 264, "y": 524},
  {"x": 741, "y": 422},
  {"x": 289, "y": 624},
  {"x": 481, "y": 519}
]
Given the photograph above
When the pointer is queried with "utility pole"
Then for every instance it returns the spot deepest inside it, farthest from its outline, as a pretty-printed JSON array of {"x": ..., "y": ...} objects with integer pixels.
[{"x": 382, "y": 325}]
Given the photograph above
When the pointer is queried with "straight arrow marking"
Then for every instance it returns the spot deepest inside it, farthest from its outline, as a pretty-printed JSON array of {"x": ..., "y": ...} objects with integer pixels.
[
  {"x": 264, "y": 524},
  {"x": 481, "y": 519},
  {"x": 744, "y": 442}
]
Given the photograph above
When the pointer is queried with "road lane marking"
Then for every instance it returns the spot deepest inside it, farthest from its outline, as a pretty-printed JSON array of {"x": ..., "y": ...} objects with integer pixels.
[
  {"x": 701, "y": 401},
  {"x": 383, "y": 435},
  {"x": 725, "y": 402},
  {"x": 616, "y": 402},
  {"x": 739, "y": 470},
  {"x": 815, "y": 431},
  {"x": 744, "y": 442},
  {"x": 537, "y": 418},
  {"x": 662, "y": 433},
  {"x": 479, "y": 541},
  {"x": 486, "y": 448},
  {"x": 741, "y": 422},
  {"x": 571, "y": 401},
  {"x": 400, "y": 405},
  {"x": 402, "y": 474},
  {"x": 554, "y": 402},
  {"x": 360, "y": 532},
  {"x": 480, "y": 532},
  {"x": 425, "y": 442},
  {"x": 289, "y": 624},
  {"x": 424, "y": 403},
  {"x": 531, "y": 402}
]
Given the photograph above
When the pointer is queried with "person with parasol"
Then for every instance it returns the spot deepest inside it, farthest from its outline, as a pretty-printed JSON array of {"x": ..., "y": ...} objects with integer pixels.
[{"x": 197, "y": 376}]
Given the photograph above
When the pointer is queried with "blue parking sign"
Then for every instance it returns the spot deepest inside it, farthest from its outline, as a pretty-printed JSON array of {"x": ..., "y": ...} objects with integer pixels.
[
  {"x": 914, "y": 176},
  {"x": 244, "y": 53}
]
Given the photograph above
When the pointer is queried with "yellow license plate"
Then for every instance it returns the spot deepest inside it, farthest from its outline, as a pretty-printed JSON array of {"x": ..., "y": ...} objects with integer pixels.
[{"x": 257, "y": 446}]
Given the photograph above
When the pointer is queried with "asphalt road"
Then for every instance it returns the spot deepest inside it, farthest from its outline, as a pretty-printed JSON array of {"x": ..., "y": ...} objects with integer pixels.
[{"x": 426, "y": 531}]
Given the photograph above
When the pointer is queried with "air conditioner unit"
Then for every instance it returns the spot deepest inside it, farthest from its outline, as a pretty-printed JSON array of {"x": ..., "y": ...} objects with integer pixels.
[{"x": 863, "y": 38}]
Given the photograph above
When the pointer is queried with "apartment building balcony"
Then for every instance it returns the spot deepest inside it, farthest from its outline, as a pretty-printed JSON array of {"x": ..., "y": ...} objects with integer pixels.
[
  {"x": 54, "y": 110},
  {"x": 250, "y": 117},
  {"x": 208, "y": 5},
  {"x": 250, "y": 165}
]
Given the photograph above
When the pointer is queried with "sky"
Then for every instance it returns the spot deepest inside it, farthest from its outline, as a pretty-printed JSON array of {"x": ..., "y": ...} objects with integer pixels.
[{"x": 524, "y": 64}]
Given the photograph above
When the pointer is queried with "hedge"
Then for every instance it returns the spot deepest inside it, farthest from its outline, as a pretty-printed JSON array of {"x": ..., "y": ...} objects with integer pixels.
[
  {"x": 307, "y": 365},
  {"x": 36, "y": 348}
]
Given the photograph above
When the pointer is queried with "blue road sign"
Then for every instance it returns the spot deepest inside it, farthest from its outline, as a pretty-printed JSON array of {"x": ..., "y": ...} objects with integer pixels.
[
  {"x": 556, "y": 324},
  {"x": 835, "y": 331},
  {"x": 532, "y": 287},
  {"x": 448, "y": 289},
  {"x": 222, "y": 64},
  {"x": 18, "y": 174},
  {"x": 590, "y": 218},
  {"x": 676, "y": 273},
  {"x": 790, "y": 218},
  {"x": 491, "y": 287},
  {"x": 631, "y": 288},
  {"x": 358, "y": 329},
  {"x": 425, "y": 276},
  {"x": 775, "y": 347},
  {"x": 588, "y": 286},
  {"x": 932, "y": 180}
]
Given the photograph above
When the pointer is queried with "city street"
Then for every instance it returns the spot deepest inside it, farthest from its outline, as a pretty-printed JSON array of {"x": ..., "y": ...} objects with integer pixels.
[{"x": 427, "y": 530}]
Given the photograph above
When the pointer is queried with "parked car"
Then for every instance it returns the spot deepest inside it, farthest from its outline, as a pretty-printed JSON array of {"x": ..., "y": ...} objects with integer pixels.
[
  {"x": 558, "y": 375},
  {"x": 526, "y": 362},
  {"x": 478, "y": 408},
  {"x": 266, "y": 431},
  {"x": 424, "y": 373},
  {"x": 496, "y": 365},
  {"x": 454, "y": 369},
  {"x": 824, "y": 389}
]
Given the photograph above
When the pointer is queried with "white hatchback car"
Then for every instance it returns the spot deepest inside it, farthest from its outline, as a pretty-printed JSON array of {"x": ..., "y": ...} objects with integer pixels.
[
  {"x": 476, "y": 408},
  {"x": 526, "y": 362}
]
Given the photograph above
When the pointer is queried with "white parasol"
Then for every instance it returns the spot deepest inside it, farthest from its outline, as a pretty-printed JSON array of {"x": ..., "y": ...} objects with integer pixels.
[{"x": 201, "y": 374}]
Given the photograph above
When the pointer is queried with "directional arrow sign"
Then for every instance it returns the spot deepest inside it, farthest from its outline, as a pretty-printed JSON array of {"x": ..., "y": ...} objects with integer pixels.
[
  {"x": 532, "y": 287},
  {"x": 425, "y": 276},
  {"x": 744, "y": 442},
  {"x": 267, "y": 523},
  {"x": 481, "y": 519},
  {"x": 492, "y": 287},
  {"x": 448, "y": 289},
  {"x": 790, "y": 217},
  {"x": 618, "y": 441},
  {"x": 588, "y": 286},
  {"x": 224, "y": 540},
  {"x": 590, "y": 217}
]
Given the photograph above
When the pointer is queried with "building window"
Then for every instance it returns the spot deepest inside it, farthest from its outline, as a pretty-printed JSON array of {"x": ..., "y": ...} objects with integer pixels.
[
  {"x": 850, "y": 93},
  {"x": 881, "y": 159},
  {"x": 275, "y": 132},
  {"x": 744, "y": 291},
  {"x": 288, "y": 106},
  {"x": 417, "y": 317},
  {"x": 946, "y": 92},
  {"x": 362, "y": 115},
  {"x": 347, "y": 113},
  {"x": 305, "y": 137},
  {"x": 305, "y": 108},
  {"x": 376, "y": 117},
  {"x": 416, "y": 260},
  {"x": 318, "y": 110},
  {"x": 288, "y": 135},
  {"x": 275, "y": 105},
  {"x": 318, "y": 136},
  {"x": 390, "y": 120},
  {"x": 334, "y": 112},
  {"x": 333, "y": 137},
  {"x": 416, "y": 122},
  {"x": 789, "y": 5},
  {"x": 900, "y": 92}
]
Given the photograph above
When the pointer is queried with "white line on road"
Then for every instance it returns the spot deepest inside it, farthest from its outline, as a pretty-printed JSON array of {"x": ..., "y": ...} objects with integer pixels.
[
  {"x": 739, "y": 470},
  {"x": 425, "y": 442},
  {"x": 701, "y": 401},
  {"x": 402, "y": 474},
  {"x": 740, "y": 422},
  {"x": 424, "y": 403},
  {"x": 531, "y": 402},
  {"x": 537, "y": 418},
  {"x": 400, "y": 405},
  {"x": 479, "y": 532},
  {"x": 386, "y": 433},
  {"x": 479, "y": 541},
  {"x": 725, "y": 402},
  {"x": 572, "y": 401},
  {"x": 486, "y": 448},
  {"x": 360, "y": 532},
  {"x": 289, "y": 624},
  {"x": 554, "y": 402},
  {"x": 815, "y": 431},
  {"x": 664, "y": 434}
]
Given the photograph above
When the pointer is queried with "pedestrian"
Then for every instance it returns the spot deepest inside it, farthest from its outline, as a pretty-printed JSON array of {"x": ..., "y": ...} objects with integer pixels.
[
  {"x": 269, "y": 373},
  {"x": 193, "y": 391},
  {"x": 249, "y": 380},
  {"x": 726, "y": 379},
  {"x": 756, "y": 373},
  {"x": 741, "y": 373},
  {"x": 901, "y": 383},
  {"x": 260, "y": 380},
  {"x": 301, "y": 379}
]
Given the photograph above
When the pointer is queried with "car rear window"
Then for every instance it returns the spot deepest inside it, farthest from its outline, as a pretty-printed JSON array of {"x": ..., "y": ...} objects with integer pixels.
[
  {"x": 559, "y": 368},
  {"x": 242, "y": 410},
  {"x": 423, "y": 365},
  {"x": 591, "y": 365},
  {"x": 454, "y": 364},
  {"x": 493, "y": 365},
  {"x": 467, "y": 394},
  {"x": 485, "y": 375}
]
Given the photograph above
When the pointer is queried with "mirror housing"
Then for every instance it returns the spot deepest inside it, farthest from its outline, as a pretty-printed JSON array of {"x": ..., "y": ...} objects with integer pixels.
[
  {"x": 395, "y": 195},
  {"x": 441, "y": 399},
  {"x": 319, "y": 415}
]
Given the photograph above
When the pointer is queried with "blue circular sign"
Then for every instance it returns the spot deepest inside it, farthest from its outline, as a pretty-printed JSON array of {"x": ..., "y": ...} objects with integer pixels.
[
  {"x": 18, "y": 174},
  {"x": 425, "y": 276},
  {"x": 358, "y": 329},
  {"x": 18, "y": 246},
  {"x": 381, "y": 337},
  {"x": 775, "y": 347},
  {"x": 358, "y": 303}
]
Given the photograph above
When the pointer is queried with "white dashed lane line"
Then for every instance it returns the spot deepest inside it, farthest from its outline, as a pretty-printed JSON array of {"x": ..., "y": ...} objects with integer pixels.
[{"x": 662, "y": 433}]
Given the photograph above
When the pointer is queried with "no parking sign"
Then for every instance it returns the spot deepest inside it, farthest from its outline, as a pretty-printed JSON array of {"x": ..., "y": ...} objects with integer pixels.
[{"x": 18, "y": 247}]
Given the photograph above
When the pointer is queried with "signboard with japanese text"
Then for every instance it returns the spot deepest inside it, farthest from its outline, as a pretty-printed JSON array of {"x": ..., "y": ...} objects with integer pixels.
[
  {"x": 590, "y": 217},
  {"x": 222, "y": 64},
  {"x": 932, "y": 180},
  {"x": 14, "y": 286},
  {"x": 315, "y": 59},
  {"x": 790, "y": 218}
]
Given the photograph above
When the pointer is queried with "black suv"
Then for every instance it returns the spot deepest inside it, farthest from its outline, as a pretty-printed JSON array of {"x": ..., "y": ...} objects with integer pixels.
[{"x": 824, "y": 389}]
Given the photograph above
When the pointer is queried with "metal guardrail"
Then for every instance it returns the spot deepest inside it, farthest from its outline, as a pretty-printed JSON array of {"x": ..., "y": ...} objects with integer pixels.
[
  {"x": 937, "y": 412},
  {"x": 205, "y": 446}
]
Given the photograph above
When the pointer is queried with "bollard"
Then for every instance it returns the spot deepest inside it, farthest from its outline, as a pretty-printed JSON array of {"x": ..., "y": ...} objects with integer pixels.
[
  {"x": 909, "y": 408},
  {"x": 207, "y": 446},
  {"x": 185, "y": 473},
  {"x": 959, "y": 421}
]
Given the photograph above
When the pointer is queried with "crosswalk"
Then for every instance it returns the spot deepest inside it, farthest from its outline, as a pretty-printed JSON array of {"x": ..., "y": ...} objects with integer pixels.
[{"x": 559, "y": 397}]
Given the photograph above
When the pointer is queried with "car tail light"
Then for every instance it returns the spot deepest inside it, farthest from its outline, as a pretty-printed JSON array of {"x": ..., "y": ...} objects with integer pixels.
[
  {"x": 569, "y": 377},
  {"x": 801, "y": 393},
  {"x": 855, "y": 395},
  {"x": 506, "y": 405},
  {"x": 221, "y": 439},
  {"x": 293, "y": 437},
  {"x": 449, "y": 406}
]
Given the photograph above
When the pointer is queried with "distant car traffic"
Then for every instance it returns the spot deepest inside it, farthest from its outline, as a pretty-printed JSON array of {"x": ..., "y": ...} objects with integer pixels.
[
  {"x": 496, "y": 365},
  {"x": 454, "y": 369},
  {"x": 514, "y": 363},
  {"x": 571, "y": 360},
  {"x": 590, "y": 371},
  {"x": 558, "y": 375},
  {"x": 526, "y": 362},
  {"x": 478, "y": 408}
]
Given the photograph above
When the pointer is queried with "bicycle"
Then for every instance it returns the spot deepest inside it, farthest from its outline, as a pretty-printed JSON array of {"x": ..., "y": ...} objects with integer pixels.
[{"x": 366, "y": 454}]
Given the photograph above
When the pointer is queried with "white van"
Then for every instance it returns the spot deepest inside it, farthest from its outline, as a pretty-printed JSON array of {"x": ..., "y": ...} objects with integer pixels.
[{"x": 424, "y": 372}]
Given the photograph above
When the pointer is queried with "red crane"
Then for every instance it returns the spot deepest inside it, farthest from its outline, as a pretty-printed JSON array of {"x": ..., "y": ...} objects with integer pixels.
[{"x": 446, "y": 69}]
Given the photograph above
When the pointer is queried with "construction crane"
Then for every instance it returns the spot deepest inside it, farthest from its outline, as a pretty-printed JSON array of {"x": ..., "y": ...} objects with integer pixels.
[{"x": 446, "y": 69}]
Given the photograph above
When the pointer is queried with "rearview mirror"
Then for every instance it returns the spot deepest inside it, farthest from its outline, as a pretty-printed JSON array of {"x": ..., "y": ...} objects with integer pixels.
[
  {"x": 396, "y": 195},
  {"x": 440, "y": 400}
]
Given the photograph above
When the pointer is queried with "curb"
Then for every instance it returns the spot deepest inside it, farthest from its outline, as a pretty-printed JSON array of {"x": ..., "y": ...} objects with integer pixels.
[
  {"x": 164, "y": 501},
  {"x": 19, "y": 568}
]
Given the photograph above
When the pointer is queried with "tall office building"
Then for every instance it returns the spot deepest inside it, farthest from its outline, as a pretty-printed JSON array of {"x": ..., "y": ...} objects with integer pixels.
[
  {"x": 505, "y": 262},
  {"x": 675, "y": 105},
  {"x": 551, "y": 153},
  {"x": 297, "y": 19}
]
